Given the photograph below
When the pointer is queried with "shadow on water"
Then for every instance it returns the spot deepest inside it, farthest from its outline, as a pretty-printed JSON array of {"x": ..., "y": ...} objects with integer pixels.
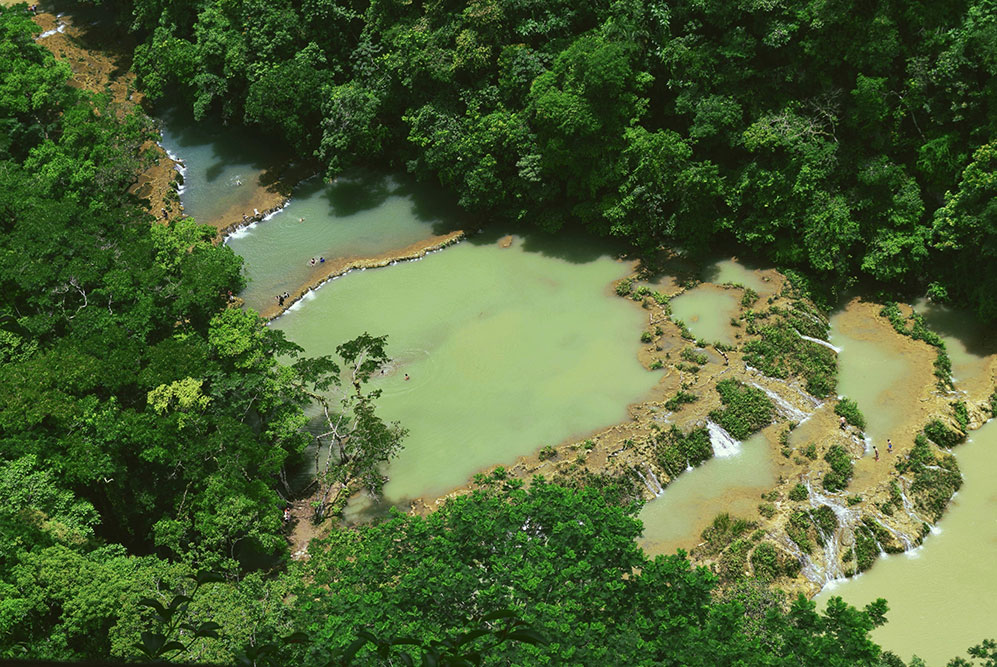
[
  {"x": 229, "y": 144},
  {"x": 961, "y": 325},
  {"x": 362, "y": 191},
  {"x": 574, "y": 246},
  {"x": 431, "y": 203},
  {"x": 364, "y": 510},
  {"x": 681, "y": 269},
  {"x": 711, "y": 272}
]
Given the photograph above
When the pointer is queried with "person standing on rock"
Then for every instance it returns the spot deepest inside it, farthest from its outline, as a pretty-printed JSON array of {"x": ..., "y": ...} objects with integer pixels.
[
  {"x": 842, "y": 423},
  {"x": 889, "y": 446}
]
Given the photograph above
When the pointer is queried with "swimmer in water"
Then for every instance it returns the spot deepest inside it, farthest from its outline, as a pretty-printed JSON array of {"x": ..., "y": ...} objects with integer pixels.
[{"x": 407, "y": 377}]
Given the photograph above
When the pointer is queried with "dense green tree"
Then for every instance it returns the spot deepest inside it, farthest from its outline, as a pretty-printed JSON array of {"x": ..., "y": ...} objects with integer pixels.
[{"x": 566, "y": 561}]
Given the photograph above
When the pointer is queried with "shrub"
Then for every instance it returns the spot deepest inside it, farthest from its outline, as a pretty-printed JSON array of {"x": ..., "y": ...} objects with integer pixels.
[
  {"x": 796, "y": 528},
  {"x": 749, "y": 297},
  {"x": 684, "y": 330},
  {"x": 733, "y": 561},
  {"x": 646, "y": 337},
  {"x": 849, "y": 409},
  {"x": 799, "y": 492},
  {"x": 810, "y": 451},
  {"x": 677, "y": 451},
  {"x": 656, "y": 364},
  {"x": 942, "y": 435},
  {"x": 676, "y": 402},
  {"x": 780, "y": 352},
  {"x": 765, "y": 562},
  {"x": 840, "y": 473},
  {"x": 935, "y": 478},
  {"x": 624, "y": 287},
  {"x": 825, "y": 520},
  {"x": 961, "y": 414},
  {"x": 746, "y": 409},
  {"x": 695, "y": 357},
  {"x": 767, "y": 510},
  {"x": 724, "y": 530},
  {"x": 547, "y": 453},
  {"x": 866, "y": 549}
]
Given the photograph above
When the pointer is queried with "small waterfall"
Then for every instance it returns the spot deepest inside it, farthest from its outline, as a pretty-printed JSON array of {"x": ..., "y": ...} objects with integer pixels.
[
  {"x": 180, "y": 167},
  {"x": 826, "y": 344},
  {"x": 59, "y": 27},
  {"x": 651, "y": 482},
  {"x": 832, "y": 543},
  {"x": 723, "y": 443},
  {"x": 909, "y": 506},
  {"x": 812, "y": 400},
  {"x": 785, "y": 407},
  {"x": 809, "y": 569}
]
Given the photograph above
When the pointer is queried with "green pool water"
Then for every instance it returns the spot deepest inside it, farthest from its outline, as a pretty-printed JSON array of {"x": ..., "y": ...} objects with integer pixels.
[
  {"x": 220, "y": 164},
  {"x": 870, "y": 373},
  {"x": 706, "y": 311},
  {"x": 723, "y": 484},
  {"x": 508, "y": 349},
  {"x": 363, "y": 215}
]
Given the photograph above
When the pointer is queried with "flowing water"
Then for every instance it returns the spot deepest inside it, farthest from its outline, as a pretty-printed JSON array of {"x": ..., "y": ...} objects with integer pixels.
[
  {"x": 943, "y": 596},
  {"x": 731, "y": 484},
  {"x": 365, "y": 215},
  {"x": 220, "y": 166},
  {"x": 706, "y": 311},
  {"x": 508, "y": 349},
  {"x": 870, "y": 372}
]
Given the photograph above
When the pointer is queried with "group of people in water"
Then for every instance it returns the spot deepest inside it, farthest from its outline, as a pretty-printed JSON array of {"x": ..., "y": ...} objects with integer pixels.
[{"x": 320, "y": 260}]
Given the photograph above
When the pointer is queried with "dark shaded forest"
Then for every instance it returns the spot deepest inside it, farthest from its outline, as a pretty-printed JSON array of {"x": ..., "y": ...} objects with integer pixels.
[{"x": 849, "y": 141}]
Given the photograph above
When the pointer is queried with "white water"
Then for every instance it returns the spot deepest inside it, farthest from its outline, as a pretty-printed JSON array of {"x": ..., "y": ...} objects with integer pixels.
[
  {"x": 723, "y": 443},
  {"x": 820, "y": 342},
  {"x": 788, "y": 410}
]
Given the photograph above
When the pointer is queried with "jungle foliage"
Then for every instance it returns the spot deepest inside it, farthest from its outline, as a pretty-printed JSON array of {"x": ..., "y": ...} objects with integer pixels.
[
  {"x": 850, "y": 142},
  {"x": 146, "y": 426}
]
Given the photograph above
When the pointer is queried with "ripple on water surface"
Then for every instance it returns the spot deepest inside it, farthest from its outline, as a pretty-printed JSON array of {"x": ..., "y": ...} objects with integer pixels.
[{"x": 507, "y": 349}]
